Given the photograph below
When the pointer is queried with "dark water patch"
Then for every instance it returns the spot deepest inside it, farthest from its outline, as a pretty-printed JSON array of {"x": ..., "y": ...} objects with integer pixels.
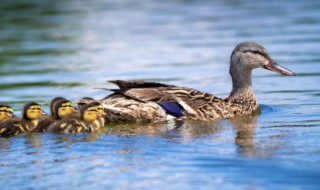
[{"x": 37, "y": 84}]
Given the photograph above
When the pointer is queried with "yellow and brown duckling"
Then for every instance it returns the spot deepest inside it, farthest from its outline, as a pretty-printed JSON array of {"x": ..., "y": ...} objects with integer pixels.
[
  {"x": 29, "y": 121},
  {"x": 87, "y": 120},
  {"x": 86, "y": 100},
  {"x": 6, "y": 112},
  {"x": 59, "y": 109}
]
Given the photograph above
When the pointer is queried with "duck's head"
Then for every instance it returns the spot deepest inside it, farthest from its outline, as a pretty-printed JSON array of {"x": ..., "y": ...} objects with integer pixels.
[
  {"x": 52, "y": 104},
  {"x": 32, "y": 111},
  {"x": 247, "y": 56},
  {"x": 90, "y": 112},
  {"x": 63, "y": 108},
  {"x": 6, "y": 112}
]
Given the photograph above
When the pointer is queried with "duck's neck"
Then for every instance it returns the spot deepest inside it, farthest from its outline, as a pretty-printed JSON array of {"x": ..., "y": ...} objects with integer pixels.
[{"x": 242, "y": 92}]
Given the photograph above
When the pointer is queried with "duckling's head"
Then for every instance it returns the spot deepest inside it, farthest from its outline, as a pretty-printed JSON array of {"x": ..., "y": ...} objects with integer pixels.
[
  {"x": 89, "y": 112},
  {"x": 32, "y": 111},
  {"x": 52, "y": 104},
  {"x": 100, "y": 109},
  {"x": 249, "y": 55},
  {"x": 6, "y": 112},
  {"x": 83, "y": 101},
  {"x": 63, "y": 108}
]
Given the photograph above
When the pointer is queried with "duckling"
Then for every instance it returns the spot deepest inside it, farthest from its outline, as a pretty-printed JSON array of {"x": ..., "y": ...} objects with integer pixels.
[
  {"x": 52, "y": 103},
  {"x": 86, "y": 100},
  {"x": 6, "y": 112},
  {"x": 86, "y": 121},
  {"x": 60, "y": 108},
  {"x": 139, "y": 100},
  {"x": 30, "y": 115}
]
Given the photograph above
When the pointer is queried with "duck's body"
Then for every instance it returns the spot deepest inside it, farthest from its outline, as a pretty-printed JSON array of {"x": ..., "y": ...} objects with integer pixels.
[
  {"x": 31, "y": 112},
  {"x": 87, "y": 120}
]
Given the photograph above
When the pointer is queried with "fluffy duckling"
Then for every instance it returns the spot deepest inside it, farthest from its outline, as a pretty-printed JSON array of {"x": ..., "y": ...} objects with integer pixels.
[
  {"x": 86, "y": 121},
  {"x": 29, "y": 121},
  {"x": 86, "y": 100},
  {"x": 53, "y": 102},
  {"x": 6, "y": 112},
  {"x": 59, "y": 109}
]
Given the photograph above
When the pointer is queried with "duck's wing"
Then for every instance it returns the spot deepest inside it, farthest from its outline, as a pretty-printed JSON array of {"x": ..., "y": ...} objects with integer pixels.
[{"x": 119, "y": 107}]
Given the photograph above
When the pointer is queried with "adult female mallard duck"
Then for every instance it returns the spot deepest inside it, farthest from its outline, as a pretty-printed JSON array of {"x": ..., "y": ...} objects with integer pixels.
[
  {"x": 6, "y": 112},
  {"x": 86, "y": 121},
  {"x": 152, "y": 101},
  {"x": 60, "y": 108},
  {"x": 29, "y": 121}
]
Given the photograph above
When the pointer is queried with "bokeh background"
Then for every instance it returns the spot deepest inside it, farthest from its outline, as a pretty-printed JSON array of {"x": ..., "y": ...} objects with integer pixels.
[{"x": 67, "y": 48}]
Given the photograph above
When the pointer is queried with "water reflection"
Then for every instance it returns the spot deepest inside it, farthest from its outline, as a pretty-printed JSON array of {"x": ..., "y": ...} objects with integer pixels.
[
  {"x": 171, "y": 129},
  {"x": 245, "y": 127}
]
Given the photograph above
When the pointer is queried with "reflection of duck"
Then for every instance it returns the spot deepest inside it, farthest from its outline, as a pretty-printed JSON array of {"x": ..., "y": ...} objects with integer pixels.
[
  {"x": 86, "y": 121},
  {"x": 155, "y": 101},
  {"x": 31, "y": 112},
  {"x": 6, "y": 112},
  {"x": 245, "y": 127},
  {"x": 60, "y": 108}
]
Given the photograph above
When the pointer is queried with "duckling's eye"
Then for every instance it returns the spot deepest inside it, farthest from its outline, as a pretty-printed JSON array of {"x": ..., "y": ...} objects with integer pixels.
[
  {"x": 67, "y": 106},
  {"x": 34, "y": 109},
  {"x": 92, "y": 110}
]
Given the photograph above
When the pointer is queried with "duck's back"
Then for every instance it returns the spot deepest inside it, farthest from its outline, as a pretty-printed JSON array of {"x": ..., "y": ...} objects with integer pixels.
[{"x": 176, "y": 101}]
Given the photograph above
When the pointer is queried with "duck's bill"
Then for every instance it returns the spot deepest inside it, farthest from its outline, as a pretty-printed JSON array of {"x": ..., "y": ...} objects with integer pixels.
[{"x": 273, "y": 66}]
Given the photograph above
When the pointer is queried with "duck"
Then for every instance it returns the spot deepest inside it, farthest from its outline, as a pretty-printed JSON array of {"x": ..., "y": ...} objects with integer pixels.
[
  {"x": 87, "y": 120},
  {"x": 153, "y": 101},
  {"x": 6, "y": 112},
  {"x": 59, "y": 108},
  {"x": 29, "y": 121}
]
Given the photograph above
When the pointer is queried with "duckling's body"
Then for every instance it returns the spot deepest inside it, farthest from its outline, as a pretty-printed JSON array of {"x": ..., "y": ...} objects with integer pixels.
[
  {"x": 87, "y": 120},
  {"x": 60, "y": 108},
  {"x": 31, "y": 112},
  {"x": 151, "y": 101}
]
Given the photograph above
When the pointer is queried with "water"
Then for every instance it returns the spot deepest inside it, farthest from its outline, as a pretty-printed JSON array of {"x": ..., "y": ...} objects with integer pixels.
[{"x": 67, "y": 48}]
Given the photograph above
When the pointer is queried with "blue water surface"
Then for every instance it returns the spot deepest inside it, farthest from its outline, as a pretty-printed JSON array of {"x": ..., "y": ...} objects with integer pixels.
[{"x": 68, "y": 48}]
